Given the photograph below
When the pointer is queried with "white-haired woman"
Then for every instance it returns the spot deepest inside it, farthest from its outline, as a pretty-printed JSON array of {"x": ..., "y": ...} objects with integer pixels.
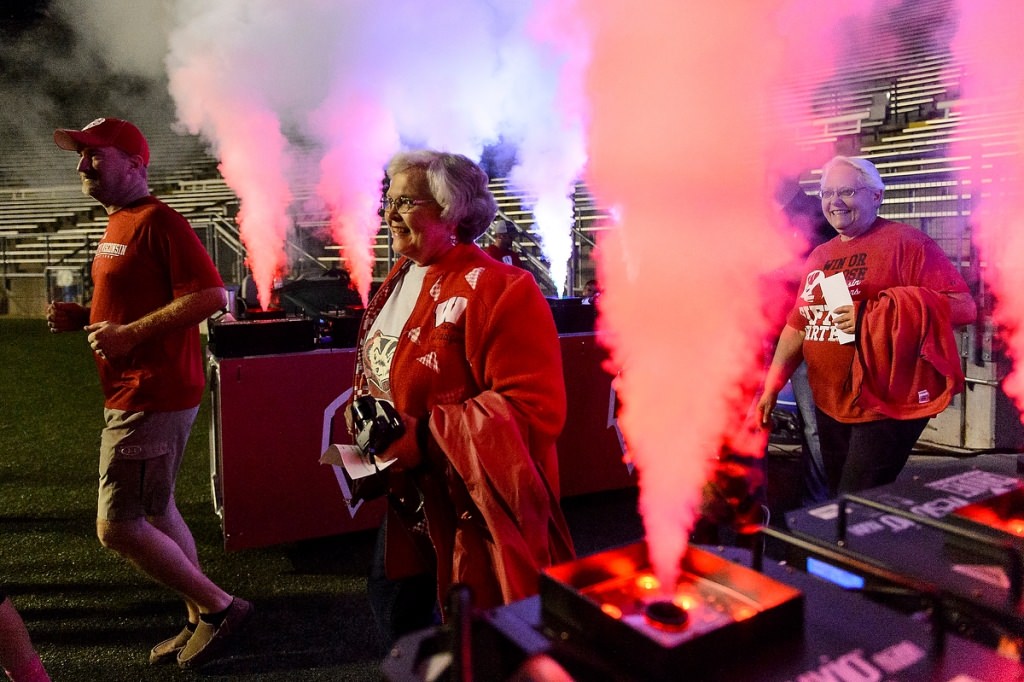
[
  {"x": 881, "y": 367},
  {"x": 465, "y": 349}
]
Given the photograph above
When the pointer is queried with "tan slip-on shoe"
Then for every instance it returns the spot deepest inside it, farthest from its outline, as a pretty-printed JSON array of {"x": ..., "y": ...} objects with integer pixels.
[{"x": 210, "y": 640}]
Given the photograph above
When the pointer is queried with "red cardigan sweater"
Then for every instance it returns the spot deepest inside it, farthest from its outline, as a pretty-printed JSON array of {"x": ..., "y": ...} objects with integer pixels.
[
  {"x": 480, "y": 359},
  {"x": 907, "y": 364}
]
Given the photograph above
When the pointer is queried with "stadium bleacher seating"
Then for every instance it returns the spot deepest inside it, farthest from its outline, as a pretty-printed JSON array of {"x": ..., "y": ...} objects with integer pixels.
[{"x": 899, "y": 105}]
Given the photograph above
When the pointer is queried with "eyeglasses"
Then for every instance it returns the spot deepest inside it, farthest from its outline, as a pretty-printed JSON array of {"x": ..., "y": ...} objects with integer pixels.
[
  {"x": 402, "y": 204},
  {"x": 842, "y": 192}
]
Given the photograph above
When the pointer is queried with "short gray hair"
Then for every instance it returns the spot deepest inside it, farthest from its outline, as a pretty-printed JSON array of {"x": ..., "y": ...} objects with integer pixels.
[
  {"x": 457, "y": 184},
  {"x": 869, "y": 175}
]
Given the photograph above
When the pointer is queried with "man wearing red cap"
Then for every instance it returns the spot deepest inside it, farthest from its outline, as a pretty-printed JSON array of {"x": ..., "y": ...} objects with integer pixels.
[
  {"x": 501, "y": 249},
  {"x": 154, "y": 283}
]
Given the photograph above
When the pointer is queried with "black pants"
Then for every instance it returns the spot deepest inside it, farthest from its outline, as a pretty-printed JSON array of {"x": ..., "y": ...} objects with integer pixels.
[
  {"x": 400, "y": 606},
  {"x": 865, "y": 455}
]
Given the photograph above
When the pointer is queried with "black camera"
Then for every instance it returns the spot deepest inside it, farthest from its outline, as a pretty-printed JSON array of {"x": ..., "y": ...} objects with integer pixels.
[{"x": 377, "y": 424}]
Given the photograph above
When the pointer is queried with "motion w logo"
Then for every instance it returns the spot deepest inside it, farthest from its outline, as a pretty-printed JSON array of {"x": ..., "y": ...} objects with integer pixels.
[{"x": 449, "y": 311}]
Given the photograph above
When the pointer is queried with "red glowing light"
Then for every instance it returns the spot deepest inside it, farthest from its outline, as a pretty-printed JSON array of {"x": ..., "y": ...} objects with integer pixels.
[
  {"x": 612, "y": 610},
  {"x": 647, "y": 583},
  {"x": 744, "y": 613}
]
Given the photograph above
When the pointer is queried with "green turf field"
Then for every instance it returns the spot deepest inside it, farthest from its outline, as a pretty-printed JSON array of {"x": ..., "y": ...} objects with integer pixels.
[{"x": 91, "y": 616}]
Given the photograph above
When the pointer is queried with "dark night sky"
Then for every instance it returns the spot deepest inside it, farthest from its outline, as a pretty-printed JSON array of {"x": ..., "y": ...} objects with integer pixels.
[{"x": 18, "y": 15}]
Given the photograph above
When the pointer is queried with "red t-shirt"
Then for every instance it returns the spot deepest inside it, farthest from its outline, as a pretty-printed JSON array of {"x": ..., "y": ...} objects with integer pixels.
[
  {"x": 889, "y": 254},
  {"x": 506, "y": 257},
  {"x": 148, "y": 257}
]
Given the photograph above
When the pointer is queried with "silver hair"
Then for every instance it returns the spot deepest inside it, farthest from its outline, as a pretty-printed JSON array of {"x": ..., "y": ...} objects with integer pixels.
[
  {"x": 869, "y": 175},
  {"x": 457, "y": 184}
]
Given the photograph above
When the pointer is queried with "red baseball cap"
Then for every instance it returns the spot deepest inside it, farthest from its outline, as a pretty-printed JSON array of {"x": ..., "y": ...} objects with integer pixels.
[{"x": 105, "y": 132}]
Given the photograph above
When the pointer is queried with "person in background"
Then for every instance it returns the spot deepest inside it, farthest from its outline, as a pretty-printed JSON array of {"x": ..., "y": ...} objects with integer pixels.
[
  {"x": 590, "y": 292},
  {"x": 66, "y": 284},
  {"x": 462, "y": 350},
  {"x": 248, "y": 294},
  {"x": 808, "y": 223},
  {"x": 504, "y": 237},
  {"x": 153, "y": 284},
  {"x": 18, "y": 657},
  {"x": 874, "y": 395}
]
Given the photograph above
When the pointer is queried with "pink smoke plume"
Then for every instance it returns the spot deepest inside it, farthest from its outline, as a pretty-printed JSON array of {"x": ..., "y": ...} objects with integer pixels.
[
  {"x": 253, "y": 160},
  {"x": 681, "y": 153},
  {"x": 255, "y": 173},
  {"x": 230, "y": 111},
  {"x": 692, "y": 114},
  {"x": 351, "y": 175},
  {"x": 992, "y": 101}
]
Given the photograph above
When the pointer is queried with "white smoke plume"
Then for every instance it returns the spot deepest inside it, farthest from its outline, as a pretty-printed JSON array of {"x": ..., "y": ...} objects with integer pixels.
[
  {"x": 303, "y": 102},
  {"x": 349, "y": 83},
  {"x": 59, "y": 67},
  {"x": 131, "y": 37}
]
